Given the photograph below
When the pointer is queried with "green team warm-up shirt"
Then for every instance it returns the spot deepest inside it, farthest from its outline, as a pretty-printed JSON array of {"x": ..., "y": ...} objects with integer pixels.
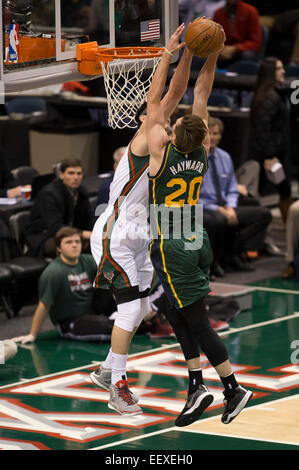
[{"x": 68, "y": 289}]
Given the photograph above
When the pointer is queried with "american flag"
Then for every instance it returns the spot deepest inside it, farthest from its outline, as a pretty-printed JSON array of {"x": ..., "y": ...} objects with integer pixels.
[{"x": 150, "y": 30}]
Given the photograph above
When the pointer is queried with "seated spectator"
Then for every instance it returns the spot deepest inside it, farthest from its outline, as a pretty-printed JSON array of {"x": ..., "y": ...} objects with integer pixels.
[
  {"x": 103, "y": 194},
  {"x": 281, "y": 20},
  {"x": 248, "y": 177},
  {"x": 292, "y": 238},
  {"x": 62, "y": 202},
  {"x": 233, "y": 229},
  {"x": 248, "y": 182},
  {"x": 8, "y": 187},
  {"x": 66, "y": 293},
  {"x": 243, "y": 31}
]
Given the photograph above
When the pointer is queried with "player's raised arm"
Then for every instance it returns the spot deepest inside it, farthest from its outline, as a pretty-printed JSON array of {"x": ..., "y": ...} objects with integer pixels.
[
  {"x": 204, "y": 83},
  {"x": 178, "y": 83},
  {"x": 156, "y": 117},
  {"x": 203, "y": 87}
]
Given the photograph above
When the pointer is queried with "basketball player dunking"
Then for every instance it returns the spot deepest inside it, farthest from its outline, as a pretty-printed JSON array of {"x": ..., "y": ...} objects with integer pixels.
[
  {"x": 119, "y": 244},
  {"x": 182, "y": 264}
]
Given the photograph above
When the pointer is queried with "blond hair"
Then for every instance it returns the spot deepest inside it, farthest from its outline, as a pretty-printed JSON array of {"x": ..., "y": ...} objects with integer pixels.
[{"x": 190, "y": 133}]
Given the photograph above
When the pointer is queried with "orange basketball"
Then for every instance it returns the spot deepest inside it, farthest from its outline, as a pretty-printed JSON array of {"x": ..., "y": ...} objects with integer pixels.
[{"x": 203, "y": 37}]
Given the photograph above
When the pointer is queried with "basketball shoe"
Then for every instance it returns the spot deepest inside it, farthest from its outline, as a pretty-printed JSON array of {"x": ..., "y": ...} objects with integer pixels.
[
  {"x": 121, "y": 399},
  {"x": 234, "y": 403},
  {"x": 196, "y": 403},
  {"x": 102, "y": 378}
]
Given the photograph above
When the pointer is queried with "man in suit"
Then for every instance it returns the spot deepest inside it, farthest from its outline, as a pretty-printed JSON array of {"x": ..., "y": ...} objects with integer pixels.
[
  {"x": 62, "y": 202},
  {"x": 233, "y": 229}
]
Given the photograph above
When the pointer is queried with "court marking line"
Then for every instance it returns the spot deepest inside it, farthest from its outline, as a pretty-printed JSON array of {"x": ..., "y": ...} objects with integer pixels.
[
  {"x": 206, "y": 433},
  {"x": 259, "y": 406},
  {"x": 136, "y": 438},
  {"x": 257, "y": 325},
  {"x": 160, "y": 348},
  {"x": 275, "y": 290},
  {"x": 175, "y": 428}
]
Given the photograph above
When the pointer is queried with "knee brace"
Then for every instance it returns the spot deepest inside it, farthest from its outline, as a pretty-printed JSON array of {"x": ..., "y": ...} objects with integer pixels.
[
  {"x": 128, "y": 315},
  {"x": 144, "y": 309}
]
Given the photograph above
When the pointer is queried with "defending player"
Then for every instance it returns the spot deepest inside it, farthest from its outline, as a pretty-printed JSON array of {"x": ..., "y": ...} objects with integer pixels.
[
  {"x": 181, "y": 261},
  {"x": 119, "y": 244}
]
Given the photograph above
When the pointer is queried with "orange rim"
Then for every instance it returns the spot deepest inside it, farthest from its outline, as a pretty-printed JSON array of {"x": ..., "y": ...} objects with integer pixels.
[{"x": 107, "y": 55}]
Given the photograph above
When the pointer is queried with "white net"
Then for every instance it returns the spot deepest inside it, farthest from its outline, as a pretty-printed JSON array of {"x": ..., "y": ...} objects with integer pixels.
[{"x": 127, "y": 83}]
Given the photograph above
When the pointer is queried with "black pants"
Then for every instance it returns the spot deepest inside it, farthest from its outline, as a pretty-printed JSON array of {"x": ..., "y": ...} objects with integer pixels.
[
  {"x": 248, "y": 235},
  {"x": 193, "y": 330},
  {"x": 88, "y": 327}
]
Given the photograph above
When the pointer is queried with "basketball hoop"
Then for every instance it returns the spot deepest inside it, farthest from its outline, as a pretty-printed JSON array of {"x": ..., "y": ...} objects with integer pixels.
[{"x": 126, "y": 84}]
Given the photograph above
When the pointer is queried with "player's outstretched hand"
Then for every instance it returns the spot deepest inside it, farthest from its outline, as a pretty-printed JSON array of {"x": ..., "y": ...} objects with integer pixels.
[
  {"x": 174, "y": 44},
  {"x": 24, "y": 339}
]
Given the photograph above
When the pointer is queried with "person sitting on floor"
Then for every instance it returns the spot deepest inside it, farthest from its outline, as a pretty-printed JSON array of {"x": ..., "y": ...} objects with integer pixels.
[{"x": 66, "y": 294}]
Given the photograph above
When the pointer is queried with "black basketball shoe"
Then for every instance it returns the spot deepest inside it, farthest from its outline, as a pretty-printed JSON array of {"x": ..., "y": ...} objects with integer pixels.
[
  {"x": 234, "y": 403},
  {"x": 196, "y": 403}
]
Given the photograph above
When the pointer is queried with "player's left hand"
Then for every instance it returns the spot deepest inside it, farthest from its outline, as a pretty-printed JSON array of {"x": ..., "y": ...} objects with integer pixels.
[{"x": 173, "y": 44}]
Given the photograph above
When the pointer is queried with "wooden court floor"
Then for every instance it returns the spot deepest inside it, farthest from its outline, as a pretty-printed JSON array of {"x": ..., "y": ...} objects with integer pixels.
[{"x": 47, "y": 401}]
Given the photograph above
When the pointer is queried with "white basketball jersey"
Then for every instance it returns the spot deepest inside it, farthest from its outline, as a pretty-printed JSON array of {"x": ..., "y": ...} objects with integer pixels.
[{"x": 129, "y": 188}]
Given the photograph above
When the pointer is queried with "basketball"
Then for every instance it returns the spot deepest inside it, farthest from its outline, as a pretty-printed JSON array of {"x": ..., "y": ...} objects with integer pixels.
[{"x": 203, "y": 37}]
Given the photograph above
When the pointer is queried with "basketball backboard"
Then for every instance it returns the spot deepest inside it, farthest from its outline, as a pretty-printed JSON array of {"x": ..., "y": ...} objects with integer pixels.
[{"x": 39, "y": 38}]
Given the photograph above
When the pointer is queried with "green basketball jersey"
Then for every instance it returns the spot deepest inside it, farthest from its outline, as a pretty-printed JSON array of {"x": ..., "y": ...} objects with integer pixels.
[
  {"x": 174, "y": 190},
  {"x": 180, "y": 250}
]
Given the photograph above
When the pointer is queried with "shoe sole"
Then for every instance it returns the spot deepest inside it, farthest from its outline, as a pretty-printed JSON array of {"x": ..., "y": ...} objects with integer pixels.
[
  {"x": 125, "y": 413},
  {"x": 199, "y": 406},
  {"x": 99, "y": 384},
  {"x": 228, "y": 419}
]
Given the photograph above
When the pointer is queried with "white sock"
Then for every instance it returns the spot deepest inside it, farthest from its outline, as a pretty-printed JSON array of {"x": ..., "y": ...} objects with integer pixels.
[
  {"x": 108, "y": 361},
  {"x": 119, "y": 367}
]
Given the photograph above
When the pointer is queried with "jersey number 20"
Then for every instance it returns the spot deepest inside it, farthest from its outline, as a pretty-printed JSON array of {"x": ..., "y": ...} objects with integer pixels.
[{"x": 190, "y": 195}]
